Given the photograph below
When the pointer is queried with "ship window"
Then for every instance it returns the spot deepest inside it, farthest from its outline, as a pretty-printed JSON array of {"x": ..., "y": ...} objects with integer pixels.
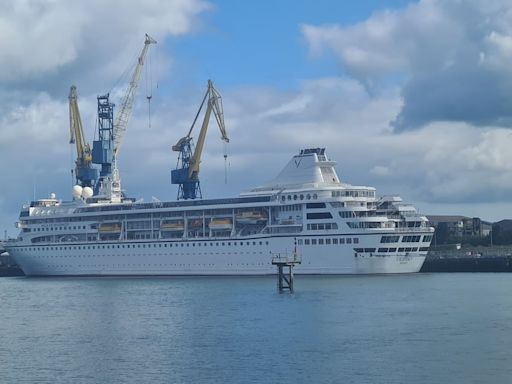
[
  {"x": 315, "y": 205},
  {"x": 320, "y": 241},
  {"x": 335, "y": 241},
  {"x": 349, "y": 241},
  {"x": 401, "y": 249},
  {"x": 342, "y": 241},
  {"x": 423, "y": 249},
  {"x": 389, "y": 239},
  {"x": 392, "y": 249},
  {"x": 308, "y": 196},
  {"x": 383, "y": 250},
  {"x": 313, "y": 241},
  {"x": 327, "y": 241},
  {"x": 359, "y": 250},
  {"x": 315, "y": 196},
  {"x": 356, "y": 240},
  {"x": 289, "y": 197},
  {"x": 319, "y": 215},
  {"x": 369, "y": 250},
  {"x": 302, "y": 197},
  {"x": 299, "y": 242},
  {"x": 427, "y": 238}
]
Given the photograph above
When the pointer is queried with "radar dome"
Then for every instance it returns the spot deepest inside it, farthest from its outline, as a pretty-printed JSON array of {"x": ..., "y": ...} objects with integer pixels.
[
  {"x": 77, "y": 191},
  {"x": 87, "y": 192},
  {"x": 53, "y": 195}
]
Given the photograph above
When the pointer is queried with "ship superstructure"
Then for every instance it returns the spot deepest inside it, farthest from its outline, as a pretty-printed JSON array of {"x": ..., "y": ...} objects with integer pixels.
[{"x": 337, "y": 228}]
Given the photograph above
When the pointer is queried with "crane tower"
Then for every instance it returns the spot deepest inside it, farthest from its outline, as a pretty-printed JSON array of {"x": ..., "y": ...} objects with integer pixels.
[{"x": 111, "y": 133}]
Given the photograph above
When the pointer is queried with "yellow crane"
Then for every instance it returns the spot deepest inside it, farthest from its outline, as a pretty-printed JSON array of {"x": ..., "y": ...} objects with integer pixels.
[
  {"x": 86, "y": 175},
  {"x": 186, "y": 174}
]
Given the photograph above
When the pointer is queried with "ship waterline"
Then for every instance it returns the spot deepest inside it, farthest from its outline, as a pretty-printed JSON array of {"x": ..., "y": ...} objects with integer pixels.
[{"x": 336, "y": 228}]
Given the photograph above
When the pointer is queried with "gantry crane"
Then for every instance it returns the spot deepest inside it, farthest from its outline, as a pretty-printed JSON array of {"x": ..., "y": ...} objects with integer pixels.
[
  {"x": 85, "y": 174},
  {"x": 186, "y": 174},
  {"x": 106, "y": 148}
]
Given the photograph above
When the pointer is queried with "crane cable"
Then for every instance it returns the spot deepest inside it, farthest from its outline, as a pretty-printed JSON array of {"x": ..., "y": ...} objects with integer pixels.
[
  {"x": 149, "y": 88},
  {"x": 226, "y": 163}
]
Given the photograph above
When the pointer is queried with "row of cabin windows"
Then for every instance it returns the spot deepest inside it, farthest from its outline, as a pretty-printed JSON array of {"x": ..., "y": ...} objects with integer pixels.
[
  {"x": 391, "y": 250},
  {"x": 299, "y": 197},
  {"x": 75, "y": 227},
  {"x": 160, "y": 245},
  {"x": 322, "y": 226},
  {"x": 406, "y": 239},
  {"x": 353, "y": 194},
  {"x": 411, "y": 239},
  {"x": 328, "y": 241},
  {"x": 293, "y": 207},
  {"x": 364, "y": 224}
]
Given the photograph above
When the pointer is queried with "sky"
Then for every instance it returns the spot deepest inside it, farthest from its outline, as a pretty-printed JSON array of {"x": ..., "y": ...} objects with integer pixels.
[{"x": 412, "y": 97}]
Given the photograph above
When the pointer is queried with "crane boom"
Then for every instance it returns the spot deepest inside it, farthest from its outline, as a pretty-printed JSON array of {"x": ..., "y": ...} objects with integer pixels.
[
  {"x": 215, "y": 105},
  {"x": 187, "y": 173},
  {"x": 121, "y": 123},
  {"x": 85, "y": 175}
]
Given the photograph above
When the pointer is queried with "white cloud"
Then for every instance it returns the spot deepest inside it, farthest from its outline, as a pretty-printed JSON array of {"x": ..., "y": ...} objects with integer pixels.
[
  {"x": 453, "y": 58},
  {"x": 44, "y": 37}
]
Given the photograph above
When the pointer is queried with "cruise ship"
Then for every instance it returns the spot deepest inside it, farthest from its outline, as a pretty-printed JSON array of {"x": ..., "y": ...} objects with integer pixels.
[{"x": 334, "y": 227}]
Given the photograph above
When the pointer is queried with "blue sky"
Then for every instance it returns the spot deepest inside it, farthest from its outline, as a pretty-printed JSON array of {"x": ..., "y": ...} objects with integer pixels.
[{"x": 259, "y": 43}]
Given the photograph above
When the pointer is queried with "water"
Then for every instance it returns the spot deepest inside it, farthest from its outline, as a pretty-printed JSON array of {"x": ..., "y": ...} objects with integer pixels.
[{"x": 421, "y": 328}]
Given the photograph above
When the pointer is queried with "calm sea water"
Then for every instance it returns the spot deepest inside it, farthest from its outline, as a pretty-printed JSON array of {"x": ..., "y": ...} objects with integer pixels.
[{"x": 422, "y": 328}]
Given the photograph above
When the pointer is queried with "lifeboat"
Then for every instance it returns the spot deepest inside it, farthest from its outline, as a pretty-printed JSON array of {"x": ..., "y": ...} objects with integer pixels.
[
  {"x": 250, "y": 217},
  {"x": 221, "y": 224},
  {"x": 172, "y": 226},
  {"x": 110, "y": 228}
]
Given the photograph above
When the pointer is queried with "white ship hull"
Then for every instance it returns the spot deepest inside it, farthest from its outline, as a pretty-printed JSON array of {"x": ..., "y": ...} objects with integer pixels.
[{"x": 247, "y": 257}]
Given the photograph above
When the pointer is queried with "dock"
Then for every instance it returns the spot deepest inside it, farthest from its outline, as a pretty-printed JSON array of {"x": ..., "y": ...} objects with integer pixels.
[{"x": 285, "y": 263}]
